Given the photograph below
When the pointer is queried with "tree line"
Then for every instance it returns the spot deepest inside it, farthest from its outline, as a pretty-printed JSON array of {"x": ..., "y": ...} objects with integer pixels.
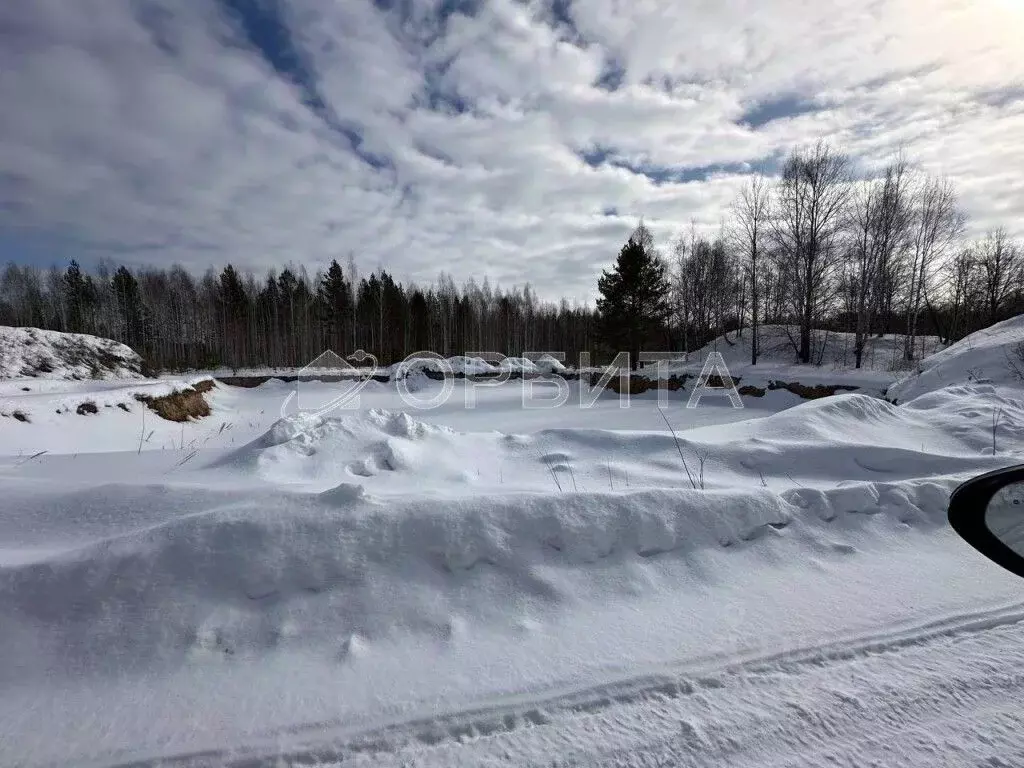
[
  {"x": 178, "y": 321},
  {"x": 814, "y": 248},
  {"x": 817, "y": 248}
]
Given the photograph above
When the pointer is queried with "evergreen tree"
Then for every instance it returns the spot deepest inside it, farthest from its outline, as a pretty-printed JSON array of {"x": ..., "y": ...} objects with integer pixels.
[
  {"x": 129, "y": 307},
  {"x": 419, "y": 320},
  {"x": 81, "y": 298},
  {"x": 233, "y": 308},
  {"x": 335, "y": 299},
  {"x": 633, "y": 306}
]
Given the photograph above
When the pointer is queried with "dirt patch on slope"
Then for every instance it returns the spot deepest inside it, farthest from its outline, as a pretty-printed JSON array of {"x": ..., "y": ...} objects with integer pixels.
[{"x": 181, "y": 405}]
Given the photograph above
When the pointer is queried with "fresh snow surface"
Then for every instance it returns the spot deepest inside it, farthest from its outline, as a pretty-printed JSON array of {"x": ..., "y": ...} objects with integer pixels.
[
  {"x": 485, "y": 584},
  {"x": 993, "y": 355},
  {"x": 32, "y": 352}
]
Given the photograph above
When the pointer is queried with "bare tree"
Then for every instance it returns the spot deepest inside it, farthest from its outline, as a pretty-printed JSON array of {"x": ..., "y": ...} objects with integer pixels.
[
  {"x": 878, "y": 223},
  {"x": 1000, "y": 270},
  {"x": 680, "y": 291},
  {"x": 937, "y": 224},
  {"x": 809, "y": 216},
  {"x": 751, "y": 214},
  {"x": 960, "y": 283}
]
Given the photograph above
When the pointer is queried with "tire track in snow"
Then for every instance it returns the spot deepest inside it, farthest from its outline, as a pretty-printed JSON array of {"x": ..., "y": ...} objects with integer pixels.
[{"x": 695, "y": 684}]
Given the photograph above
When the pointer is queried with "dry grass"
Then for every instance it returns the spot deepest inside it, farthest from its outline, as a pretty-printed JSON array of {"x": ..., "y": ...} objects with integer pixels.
[{"x": 181, "y": 405}]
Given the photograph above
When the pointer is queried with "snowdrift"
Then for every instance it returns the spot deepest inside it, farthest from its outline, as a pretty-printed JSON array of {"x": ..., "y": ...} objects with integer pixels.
[
  {"x": 993, "y": 355},
  {"x": 32, "y": 352},
  {"x": 338, "y": 571},
  {"x": 844, "y": 438},
  {"x": 341, "y": 532}
]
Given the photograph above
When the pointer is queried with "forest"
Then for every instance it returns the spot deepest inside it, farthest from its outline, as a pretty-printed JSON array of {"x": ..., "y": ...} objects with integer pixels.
[{"x": 816, "y": 247}]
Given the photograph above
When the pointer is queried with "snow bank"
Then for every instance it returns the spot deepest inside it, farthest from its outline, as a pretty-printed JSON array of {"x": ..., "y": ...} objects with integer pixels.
[
  {"x": 460, "y": 364},
  {"x": 273, "y": 570},
  {"x": 32, "y": 352},
  {"x": 993, "y": 355},
  {"x": 846, "y": 438},
  {"x": 547, "y": 364},
  {"x": 518, "y": 365}
]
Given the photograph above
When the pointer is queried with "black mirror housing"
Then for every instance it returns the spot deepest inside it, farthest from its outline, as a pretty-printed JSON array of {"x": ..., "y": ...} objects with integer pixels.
[{"x": 967, "y": 515}]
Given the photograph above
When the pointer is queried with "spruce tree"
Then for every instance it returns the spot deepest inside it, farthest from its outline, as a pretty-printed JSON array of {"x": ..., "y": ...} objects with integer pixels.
[
  {"x": 335, "y": 300},
  {"x": 633, "y": 305}
]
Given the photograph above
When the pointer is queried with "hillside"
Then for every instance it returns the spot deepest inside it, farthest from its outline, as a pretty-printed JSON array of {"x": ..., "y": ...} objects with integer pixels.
[
  {"x": 830, "y": 349},
  {"x": 35, "y": 353},
  {"x": 993, "y": 355},
  {"x": 832, "y": 359}
]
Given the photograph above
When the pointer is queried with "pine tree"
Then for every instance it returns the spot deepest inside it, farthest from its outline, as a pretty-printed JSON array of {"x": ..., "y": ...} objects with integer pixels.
[{"x": 633, "y": 306}]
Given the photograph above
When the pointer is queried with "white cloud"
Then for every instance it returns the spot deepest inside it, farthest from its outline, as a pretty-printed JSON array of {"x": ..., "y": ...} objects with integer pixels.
[{"x": 150, "y": 132}]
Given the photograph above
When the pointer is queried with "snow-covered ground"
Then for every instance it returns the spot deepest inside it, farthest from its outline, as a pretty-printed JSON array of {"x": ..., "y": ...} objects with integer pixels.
[
  {"x": 832, "y": 359},
  {"x": 484, "y": 583}
]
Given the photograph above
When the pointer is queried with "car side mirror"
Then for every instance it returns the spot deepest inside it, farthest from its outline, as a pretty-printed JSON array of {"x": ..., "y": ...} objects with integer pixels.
[{"x": 988, "y": 513}]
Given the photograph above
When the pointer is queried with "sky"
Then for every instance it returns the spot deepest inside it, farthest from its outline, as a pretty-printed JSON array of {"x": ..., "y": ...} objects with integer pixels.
[{"x": 519, "y": 140}]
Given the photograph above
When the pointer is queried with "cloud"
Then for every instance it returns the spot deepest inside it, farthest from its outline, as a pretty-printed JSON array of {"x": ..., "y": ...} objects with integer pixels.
[{"x": 518, "y": 139}]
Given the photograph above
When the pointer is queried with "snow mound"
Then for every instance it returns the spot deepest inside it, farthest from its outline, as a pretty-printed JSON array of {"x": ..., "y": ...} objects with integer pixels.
[
  {"x": 814, "y": 445},
  {"x": 318, "y": 452},
  {"x": 470, "y": 366},
  {"x": 993, "y": 355},
  {"x": 549, "y": 365},
  {"x": 273, "y": 570},
  {"x": 460, "y": 364},
  {"x": 517, "y": 365},
  {"x": 32, "y": 352}
]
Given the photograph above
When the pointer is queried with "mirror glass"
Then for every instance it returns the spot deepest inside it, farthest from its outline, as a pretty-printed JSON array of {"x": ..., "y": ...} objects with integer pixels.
[{"x": 1004, "y": 516}]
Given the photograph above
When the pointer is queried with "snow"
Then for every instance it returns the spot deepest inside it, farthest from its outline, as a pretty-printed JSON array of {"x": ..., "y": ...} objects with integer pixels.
[
  {"x": 830, "y": 350},
  {"x": 32, "y": 352},
  {"x": 993, "y": 355},
  {"x": 495, "y": 582},
  {"x": 53, "y": 423},
  {"x": 832, "y": 363},
  {"x": 519, "y": 364}
]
